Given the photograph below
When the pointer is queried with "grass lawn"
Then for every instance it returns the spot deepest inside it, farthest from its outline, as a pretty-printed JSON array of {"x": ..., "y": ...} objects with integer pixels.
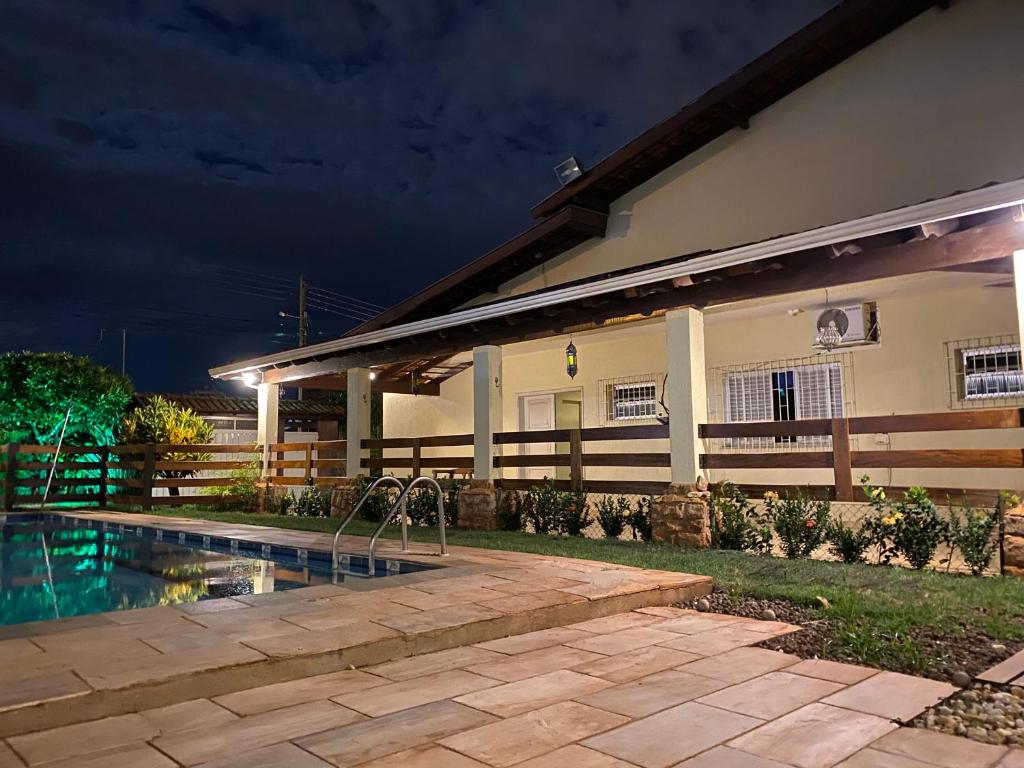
[{"x": 885, "y": 617}]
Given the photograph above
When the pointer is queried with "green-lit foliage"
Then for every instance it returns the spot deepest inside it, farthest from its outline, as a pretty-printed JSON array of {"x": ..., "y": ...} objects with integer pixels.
[
  {"x": 36, "y": 389},
  {"x": 161, "y": 421}
]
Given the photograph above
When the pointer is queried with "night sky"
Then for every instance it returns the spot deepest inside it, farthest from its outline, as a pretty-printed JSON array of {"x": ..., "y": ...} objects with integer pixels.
[{"x": 172, "y": 167}]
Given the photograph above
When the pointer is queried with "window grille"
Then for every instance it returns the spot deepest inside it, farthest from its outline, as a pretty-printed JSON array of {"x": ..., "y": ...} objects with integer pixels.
[
  {"x": 985, "y": 372},
  {"x": 631, "y": 399},
  {"x": 784, "y": 390}
]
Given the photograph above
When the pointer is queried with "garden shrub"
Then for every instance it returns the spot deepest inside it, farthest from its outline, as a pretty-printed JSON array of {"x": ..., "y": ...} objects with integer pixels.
[
  {"x": 421, "y": 504},
  {"x": 510, "y": 511},
  {"x": 971, "y": 533},
  {"x": 799, "y": 522},
  {"x": 640, "y": 519},
  {"x": 313, "y": 502},
  {"x": 544, "y": 510},
  {"x": 612, "y": 514},
  {"x": 244, "y": 485},
  {"x": 574, "y": 517},
  {"x": 847, "y": 544},
  {"x": 735, "y": 523},
  {"x": 379, "y": 502},
  {"x": 910, "y": 527}
]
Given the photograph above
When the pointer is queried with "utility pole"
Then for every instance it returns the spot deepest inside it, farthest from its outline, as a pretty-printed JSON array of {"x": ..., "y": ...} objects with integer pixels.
[{"x": 303, "y": 320}]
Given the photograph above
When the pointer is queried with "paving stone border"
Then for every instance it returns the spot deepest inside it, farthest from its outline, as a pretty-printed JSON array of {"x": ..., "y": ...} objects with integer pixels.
[{"x": 63, "y": 672}]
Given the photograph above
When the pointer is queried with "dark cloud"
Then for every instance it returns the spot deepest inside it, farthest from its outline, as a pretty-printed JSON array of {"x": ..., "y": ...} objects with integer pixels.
[{"x": 148, "y": 145}]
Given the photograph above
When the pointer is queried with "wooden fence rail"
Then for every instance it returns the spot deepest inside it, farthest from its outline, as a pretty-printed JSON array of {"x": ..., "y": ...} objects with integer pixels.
[
  {"x": 577, "y": 459},
  {"x": 842, "y": 459}
]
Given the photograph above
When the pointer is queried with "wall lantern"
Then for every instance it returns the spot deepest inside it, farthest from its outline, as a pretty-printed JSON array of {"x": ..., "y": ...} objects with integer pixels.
[
  {"x": 414, "y": 382},
  {"x": 571, "y": 362}
]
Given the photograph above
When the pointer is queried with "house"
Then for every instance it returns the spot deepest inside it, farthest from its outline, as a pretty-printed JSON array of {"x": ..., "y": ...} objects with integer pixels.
[{"x": 833, "y": 232}]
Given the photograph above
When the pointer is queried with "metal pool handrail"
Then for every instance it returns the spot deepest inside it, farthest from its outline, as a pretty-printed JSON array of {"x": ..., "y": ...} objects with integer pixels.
[
  {"x": 400, "y": 503},
  {"x": 356, "y": 507}
]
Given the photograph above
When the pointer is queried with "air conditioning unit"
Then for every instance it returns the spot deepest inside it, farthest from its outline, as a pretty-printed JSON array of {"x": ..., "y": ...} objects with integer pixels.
[{"x": 858, "y": 324}]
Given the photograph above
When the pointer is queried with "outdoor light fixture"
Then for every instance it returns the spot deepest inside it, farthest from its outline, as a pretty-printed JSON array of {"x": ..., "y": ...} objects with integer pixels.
[
  {"x": 249, "y": 378},
  {"x": 571, "y": 361},
  {"x": 414, "y": 382},
  {"x": 829, "y": 336},
  {"x": 373, "y": 375},
  {"x": 568, "y": 170}
]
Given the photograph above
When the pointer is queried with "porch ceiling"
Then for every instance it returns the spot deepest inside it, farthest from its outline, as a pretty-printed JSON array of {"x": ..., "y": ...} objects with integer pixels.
[{"x": 398, "y": 378}]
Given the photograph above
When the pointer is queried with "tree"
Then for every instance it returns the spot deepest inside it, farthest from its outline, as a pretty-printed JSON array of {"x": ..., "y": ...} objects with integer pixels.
[
  {"x": 36, "y": 389},
  {"x": 161, "y": 421}
]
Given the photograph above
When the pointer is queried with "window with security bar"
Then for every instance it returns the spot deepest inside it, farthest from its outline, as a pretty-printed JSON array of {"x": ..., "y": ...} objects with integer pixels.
[
  {"x": 630, "y": 399},
  {"x": 783, "y": 391},
  {"x": 985, "y": 372}
]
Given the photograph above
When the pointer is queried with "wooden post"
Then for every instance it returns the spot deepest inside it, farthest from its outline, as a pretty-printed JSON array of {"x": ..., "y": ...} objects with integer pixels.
[
  {"x": 417, "y": 456},
  {"x": 104, "y": 472},
  {"x": 148, "y": 472},
  {"x": 841, "y": 467},
  {"x": 576, "y": 459},
  {"x": 10, "y": 476},
  {"x": 309, "y": 463}
]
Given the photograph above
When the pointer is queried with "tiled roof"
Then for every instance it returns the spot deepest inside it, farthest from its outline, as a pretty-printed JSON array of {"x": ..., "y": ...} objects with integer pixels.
[{"x": 211, "y": 404}]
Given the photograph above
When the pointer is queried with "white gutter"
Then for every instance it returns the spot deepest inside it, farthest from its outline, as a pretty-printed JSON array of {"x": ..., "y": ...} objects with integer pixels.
[{"x": 961, "y": 204}]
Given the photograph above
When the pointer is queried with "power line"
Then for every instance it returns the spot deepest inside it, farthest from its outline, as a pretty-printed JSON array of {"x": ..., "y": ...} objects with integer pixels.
[
  {"x": 250, "y": 273},
  {"x": 343, "y": 313},
  {"x": 342, "y": 297},
  {"x": 345, "y": 305},
  {"x": 366, "y": 314}
]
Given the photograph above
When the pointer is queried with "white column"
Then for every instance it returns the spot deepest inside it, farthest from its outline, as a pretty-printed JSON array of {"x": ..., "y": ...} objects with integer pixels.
[
  {"x": 357, "y": 414},
  {"x": 487, "y": 413},
  {"x": 267, "y": 396},
  {"x": 1018, "y": 289},
  {"x": 686, "y": 391}
]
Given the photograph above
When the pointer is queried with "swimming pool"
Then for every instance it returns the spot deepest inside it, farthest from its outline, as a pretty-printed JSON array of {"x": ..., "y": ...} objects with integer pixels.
[{"x": 58, "y": 566}]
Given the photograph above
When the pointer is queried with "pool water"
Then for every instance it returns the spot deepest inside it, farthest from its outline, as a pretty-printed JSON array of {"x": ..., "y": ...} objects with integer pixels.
[{"x": 55, "y": 566}]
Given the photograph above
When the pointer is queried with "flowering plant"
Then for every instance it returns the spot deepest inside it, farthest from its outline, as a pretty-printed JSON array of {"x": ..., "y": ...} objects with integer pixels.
[
  {"x": 910, "y": 527},
  {"x": 801, "y": 523}
]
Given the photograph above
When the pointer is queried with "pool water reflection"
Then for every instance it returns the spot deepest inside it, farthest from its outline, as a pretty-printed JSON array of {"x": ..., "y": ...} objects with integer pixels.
[{"x": 58, "y": 566}]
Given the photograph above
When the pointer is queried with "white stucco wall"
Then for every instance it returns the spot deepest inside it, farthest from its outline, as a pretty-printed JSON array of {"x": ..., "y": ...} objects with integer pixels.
[{"x": 933, "y": 108}]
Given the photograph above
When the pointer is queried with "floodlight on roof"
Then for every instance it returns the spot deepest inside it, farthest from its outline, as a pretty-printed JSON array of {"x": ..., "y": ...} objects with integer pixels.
[{"x": 568, "y": 170}]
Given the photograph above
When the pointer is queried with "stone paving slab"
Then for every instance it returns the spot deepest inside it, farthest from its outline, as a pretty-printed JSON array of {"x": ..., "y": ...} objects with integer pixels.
[
  {"x": 225, "y": 644},
  {"x": 1007, "y": 671},
  {"x": 743, "y": 708}
]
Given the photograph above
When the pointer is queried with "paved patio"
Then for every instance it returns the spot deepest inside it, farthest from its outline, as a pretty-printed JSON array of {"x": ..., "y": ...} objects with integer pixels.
[
  {"x": 654, "y": 688},
  {"x": 77, "y": 669}
]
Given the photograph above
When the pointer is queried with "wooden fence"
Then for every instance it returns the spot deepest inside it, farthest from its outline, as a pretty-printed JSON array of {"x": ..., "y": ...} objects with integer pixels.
[
  {"x": 842, "y": 459},
  {"x": 576, "y": 458},
  {"x": 129, "y": 474},
  {"x": 324, "y": 457}
]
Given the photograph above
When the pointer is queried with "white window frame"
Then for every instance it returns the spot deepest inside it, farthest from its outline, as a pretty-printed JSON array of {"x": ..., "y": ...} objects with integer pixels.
[
  {"x": 758, "y": 396},
  {"x": 647, "y": 403},
  {"x": 1005, "y": 376}
]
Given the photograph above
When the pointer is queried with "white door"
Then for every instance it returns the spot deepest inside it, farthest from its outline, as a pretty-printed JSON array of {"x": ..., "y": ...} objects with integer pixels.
[{"x": 537, "y": 412}]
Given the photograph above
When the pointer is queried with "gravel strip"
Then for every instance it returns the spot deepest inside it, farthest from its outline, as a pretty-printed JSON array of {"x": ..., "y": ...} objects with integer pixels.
[{"x": 988, "y": 713}]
